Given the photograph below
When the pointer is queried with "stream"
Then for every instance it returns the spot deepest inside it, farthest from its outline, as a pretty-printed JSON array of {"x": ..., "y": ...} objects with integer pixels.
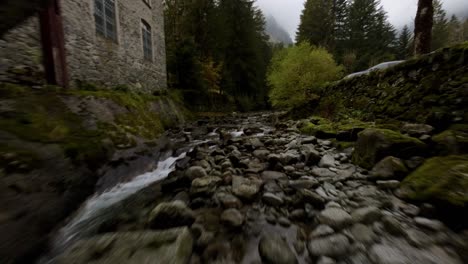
[{"x": 259, "y": 190}]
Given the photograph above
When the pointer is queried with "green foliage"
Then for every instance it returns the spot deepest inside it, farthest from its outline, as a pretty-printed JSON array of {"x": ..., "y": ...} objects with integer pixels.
[
  {"x": 357, "y": 32},
  {"x": 297, "y": 71},
  {"x": 217, "y": 47},
  {"x": 440, "y": 29},
  {"x": 404, "y": 49},
  {"x": 317, "y": 23}
]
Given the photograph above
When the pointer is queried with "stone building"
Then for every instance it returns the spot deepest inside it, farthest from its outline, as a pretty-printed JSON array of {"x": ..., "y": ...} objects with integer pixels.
[{"x": 105, "y": 42}]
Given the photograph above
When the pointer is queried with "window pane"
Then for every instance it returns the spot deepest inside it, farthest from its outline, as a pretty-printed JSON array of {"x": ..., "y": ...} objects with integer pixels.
[
  {"x": 99, "y": 16},
  {"x": 109, "y": 14},
  {"x": 147, "y": 42}
]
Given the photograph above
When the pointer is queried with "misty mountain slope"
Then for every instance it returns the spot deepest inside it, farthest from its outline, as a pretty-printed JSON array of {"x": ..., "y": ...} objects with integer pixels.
[{"x": 276, "y": 32}]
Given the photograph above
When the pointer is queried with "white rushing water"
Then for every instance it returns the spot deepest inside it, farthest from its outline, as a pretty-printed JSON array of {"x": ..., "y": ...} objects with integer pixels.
[{"x": 89, "y": 212}]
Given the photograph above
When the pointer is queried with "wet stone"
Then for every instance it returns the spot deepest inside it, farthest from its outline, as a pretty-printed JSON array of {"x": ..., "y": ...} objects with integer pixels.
[
  {"x": 330, "y": 246},
  {"x": 272, "y": 199},
  {"x": 273, "y": 249},
  {"x": 335, "y": 218},
  {"x": 232, "y": 217}
]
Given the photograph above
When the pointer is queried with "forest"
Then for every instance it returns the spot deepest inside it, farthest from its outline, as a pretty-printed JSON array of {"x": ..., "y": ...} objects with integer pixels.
[{"x": 220, "y": 47}]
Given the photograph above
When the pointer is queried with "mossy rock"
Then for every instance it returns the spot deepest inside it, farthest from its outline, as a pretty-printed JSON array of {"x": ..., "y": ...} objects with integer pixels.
[
  {"x": 452, "y": 141},
  {"x": 345, "y": 129},
  {"x": 375, "y": 144},
  {"x": 439, "y": 179}
]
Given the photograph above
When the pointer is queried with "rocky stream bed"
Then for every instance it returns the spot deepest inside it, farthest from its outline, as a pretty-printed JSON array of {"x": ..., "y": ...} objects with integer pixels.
[{"x": 247, "y": 189}]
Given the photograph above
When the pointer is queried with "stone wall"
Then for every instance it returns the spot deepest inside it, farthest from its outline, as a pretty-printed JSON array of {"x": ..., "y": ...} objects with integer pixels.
[
  {"x": 20, "y": 51},
  {"x": 94, "y": 58},
  {"x": 432, "y": 89},
  {"x": 91, "y": 57}
]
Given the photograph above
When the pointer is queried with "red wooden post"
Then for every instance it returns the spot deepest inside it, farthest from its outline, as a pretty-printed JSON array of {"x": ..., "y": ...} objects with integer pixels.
[{"x": 53, "y": 44}]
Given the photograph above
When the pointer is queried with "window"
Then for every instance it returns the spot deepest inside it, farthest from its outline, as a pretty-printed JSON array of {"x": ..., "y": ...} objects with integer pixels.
[
  {"x": 104, "y": 14},
  {"x": 147, "y": 42}
]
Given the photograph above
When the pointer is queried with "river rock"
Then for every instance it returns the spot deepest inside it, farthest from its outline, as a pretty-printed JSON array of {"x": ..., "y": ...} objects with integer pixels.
[
  {"x": 375, "y": 144},
  {"x": 330, "y": 246},
  {"x": 322, "y": 230},
  {"x": 272, "y": 199},
  {"x": 335, "y": 217},
  {"x": 246, "y": 188},
  {"x": 366, "y": 215},
  {"x": 327, "y": 161},
  {"x": 304, "y": 182},
  {"x": 228, "y": 200},
  {"x": 195, "y": 172},
  {"x": 363, "y": 234},
  {"x": 205, "y": 186},
  {"x": 273, "y": 175},
  {"x": 311, "y": 197},
  {"x": 169, "y": 246},
  {"x": 170, "y": 214},
  {"x": 391, "y": 185},
  {"x": 389, "y": 168},
  {"x": 416, "y": 130},
  {"x": 262, "y": 154},
  {"x": 232, "y": 217},
  {"x": 434, "y": 225},
  {"x": 310, "y": 154},
  {"x": 274, "y": 250},
  {"x": 393, "y": 226}
]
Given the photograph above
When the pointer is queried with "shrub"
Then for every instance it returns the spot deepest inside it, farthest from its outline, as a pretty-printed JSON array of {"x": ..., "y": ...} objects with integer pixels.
[{"x": 298, "y": 73}]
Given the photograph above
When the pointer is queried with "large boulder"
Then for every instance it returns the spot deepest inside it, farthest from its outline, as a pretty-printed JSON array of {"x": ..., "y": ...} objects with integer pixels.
[
  {"x": 375, "y": 144},
  {"x": 169, "y": 246},
  {"x": 171, "y": 214},
  {"x": 441, "y": 179}
]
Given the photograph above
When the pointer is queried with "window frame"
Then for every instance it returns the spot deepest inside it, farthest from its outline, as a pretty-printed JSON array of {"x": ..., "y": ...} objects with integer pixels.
[
  {"x": 147, "y": 41},
  {"x": 105, "y": 19}
]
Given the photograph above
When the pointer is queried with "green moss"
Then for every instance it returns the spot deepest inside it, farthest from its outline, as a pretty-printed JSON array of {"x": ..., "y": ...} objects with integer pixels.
[
  {"x": 440, "y": 179},
  {"x": 341, "y": 145},
  {"x": 375, "y": 144},
  {"x": 452, "y": 141},
  {"x": 325, "y": 128}
]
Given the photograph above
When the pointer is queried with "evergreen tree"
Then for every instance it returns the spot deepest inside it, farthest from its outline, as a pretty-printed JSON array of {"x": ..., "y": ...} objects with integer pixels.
[
  {"x": 455, "y": 31},
  {"x": 404, "y": 43},
  {"x": 218, "y": 46},
  {"x": 341, "y": 28},
  {"x": 423, "y": 27},
  {"x": 317, "y": 23},
  {"x": 465, "y": 30},
  {"x": 440, "y": 29},
  {"x": 372, "y": 37}
]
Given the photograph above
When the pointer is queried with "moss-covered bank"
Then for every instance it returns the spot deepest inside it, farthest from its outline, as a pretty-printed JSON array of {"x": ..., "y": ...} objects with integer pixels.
[
  {"x": 431, "y": 89},
  {"x": 55, "y": 145}
]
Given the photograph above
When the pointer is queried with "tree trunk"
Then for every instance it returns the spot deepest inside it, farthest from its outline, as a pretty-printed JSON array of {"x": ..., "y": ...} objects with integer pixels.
[{"x": 423, "y": 27}]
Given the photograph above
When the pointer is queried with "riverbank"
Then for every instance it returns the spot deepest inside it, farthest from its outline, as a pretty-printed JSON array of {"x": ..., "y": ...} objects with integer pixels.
[
  {"x": 58, "y": 147},
  {"x": 257, "y": 190}
]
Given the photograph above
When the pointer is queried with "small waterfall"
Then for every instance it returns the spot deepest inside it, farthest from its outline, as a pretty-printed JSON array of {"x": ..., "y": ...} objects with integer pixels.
[{"x": 90, "y": 215}]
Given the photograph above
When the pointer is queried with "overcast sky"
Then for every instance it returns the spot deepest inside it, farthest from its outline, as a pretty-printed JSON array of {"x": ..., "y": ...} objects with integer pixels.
[{"x": 400, "y": 12}]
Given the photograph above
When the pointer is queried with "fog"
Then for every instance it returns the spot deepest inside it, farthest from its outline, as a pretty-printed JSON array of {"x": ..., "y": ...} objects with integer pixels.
[{"x": 400, "y": 12}]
